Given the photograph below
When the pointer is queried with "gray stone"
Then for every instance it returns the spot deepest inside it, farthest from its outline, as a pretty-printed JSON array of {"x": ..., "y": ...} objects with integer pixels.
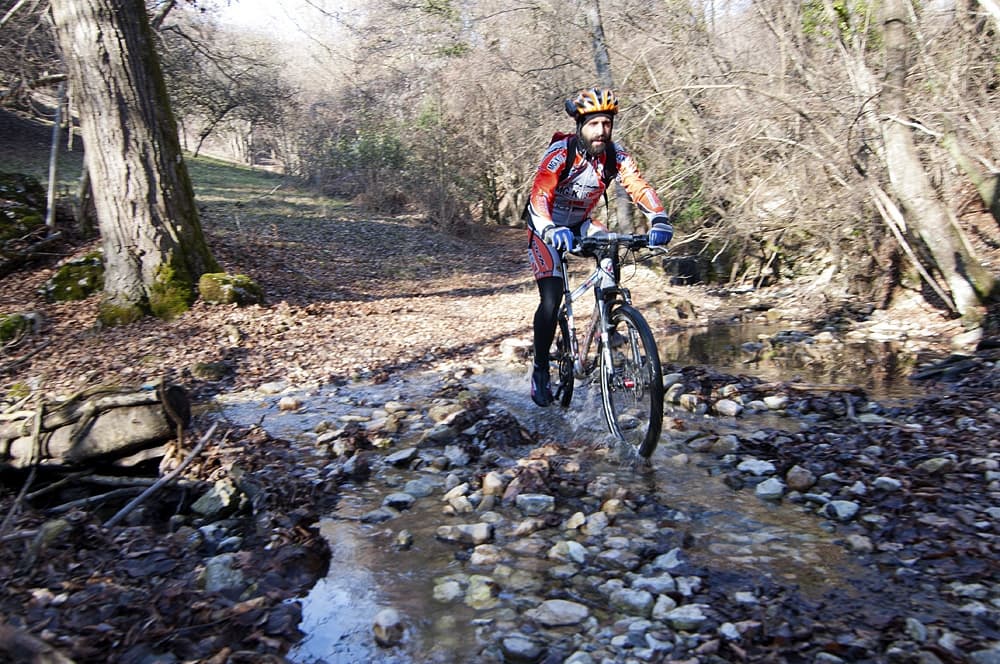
[
  {"x": 402, "y": 457},
  {"x": 533, "y": 504},
  {"x": 399, "y": 501},
  {"x": 222, "y": 576},
  {"x": 770, "y": 489},
  {"x": 388, "y": 628},
  {"x": 887, "y": 484},
  {"x": 519, "y": 649},
  {"x": 469, "y": 533},
  {"x": 687, "y": 618},
  {"x": 559, "y": 613},
  {"x": 756, "y": 467},
  {"x": 634, "y": 602},
  {"x": 841, "y": 510},
  {"x": 728, "y": 408}
]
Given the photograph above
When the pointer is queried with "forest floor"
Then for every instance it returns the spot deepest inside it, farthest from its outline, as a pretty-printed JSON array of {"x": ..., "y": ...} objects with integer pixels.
[{"x": 349, "y": 297}]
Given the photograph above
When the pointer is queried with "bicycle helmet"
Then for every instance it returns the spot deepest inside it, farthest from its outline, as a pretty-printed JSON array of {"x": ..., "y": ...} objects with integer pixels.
[{"x": 592, "y": 100}]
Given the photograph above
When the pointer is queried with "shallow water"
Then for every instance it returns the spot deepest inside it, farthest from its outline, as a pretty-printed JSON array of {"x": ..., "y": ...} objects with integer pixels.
[
  {"x": 737, "y": 539},
  {"x": 881, "y": 368}
]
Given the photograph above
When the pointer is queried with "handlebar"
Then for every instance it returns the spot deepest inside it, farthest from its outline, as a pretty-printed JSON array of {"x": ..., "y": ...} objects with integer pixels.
[{"x": 598, "y": 243}]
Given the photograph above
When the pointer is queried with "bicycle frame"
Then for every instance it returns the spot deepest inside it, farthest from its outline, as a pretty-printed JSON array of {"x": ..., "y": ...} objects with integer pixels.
[{"x": 604, "y": 282}]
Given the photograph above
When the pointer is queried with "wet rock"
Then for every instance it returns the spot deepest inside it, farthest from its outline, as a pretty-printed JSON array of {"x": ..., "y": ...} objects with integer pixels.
[
  {"x": 559, "y": 613},
  {"x": 289, "y": 403},
  {"x": 568, "y": 551},
  {"x": 399, "y": 501},
  {"x": 402, "y": 457},
  {"x": 420, "y": 487},
  {"x": 388, "y": 628},
  {"x": 727, "y": 408},
  {"x": 534, "y": 504},
  {"x": 520, "y": 649},
  {"x": 473, "y": 533},
  {"x": 482, "y": 592},
  {"x": 776, "y": 402},
  {"x": 493, "y": 484}
]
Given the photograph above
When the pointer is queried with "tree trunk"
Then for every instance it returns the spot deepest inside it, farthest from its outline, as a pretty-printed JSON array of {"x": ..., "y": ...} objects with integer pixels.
[
  {"x": 928, "y": 215},
  {"x": 602, "y": 64},
  {"x": 154, "y": 249},
  {"x": 101, "y": 425}
]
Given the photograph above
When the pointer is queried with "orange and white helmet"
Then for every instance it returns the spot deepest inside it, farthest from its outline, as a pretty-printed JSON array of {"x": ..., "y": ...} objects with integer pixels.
[{"x": 592, "y": 100}]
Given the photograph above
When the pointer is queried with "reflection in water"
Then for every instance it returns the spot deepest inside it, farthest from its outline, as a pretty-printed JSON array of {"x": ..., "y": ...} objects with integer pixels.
[{"x": 881, "y": 368}]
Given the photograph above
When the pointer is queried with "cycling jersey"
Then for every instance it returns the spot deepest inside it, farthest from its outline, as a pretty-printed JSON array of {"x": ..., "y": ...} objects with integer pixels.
[{"x": 570, "y": 202}]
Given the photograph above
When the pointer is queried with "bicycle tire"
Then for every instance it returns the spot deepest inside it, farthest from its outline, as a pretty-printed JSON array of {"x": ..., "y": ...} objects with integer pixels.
[
  {"x": 632, "y": 382},
  {"x": 562, "y": 355}
]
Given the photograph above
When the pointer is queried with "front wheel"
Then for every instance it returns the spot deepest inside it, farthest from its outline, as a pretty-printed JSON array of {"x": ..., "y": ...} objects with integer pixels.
[{"x": 632, "y": 382}]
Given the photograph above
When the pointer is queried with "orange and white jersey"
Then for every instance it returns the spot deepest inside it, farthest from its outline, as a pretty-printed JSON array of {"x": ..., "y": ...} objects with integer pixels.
[{"x": 570, "y": 202}]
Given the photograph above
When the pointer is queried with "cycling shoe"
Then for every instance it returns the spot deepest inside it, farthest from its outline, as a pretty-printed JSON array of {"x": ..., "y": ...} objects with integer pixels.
[{"x": 540, "y": 392}]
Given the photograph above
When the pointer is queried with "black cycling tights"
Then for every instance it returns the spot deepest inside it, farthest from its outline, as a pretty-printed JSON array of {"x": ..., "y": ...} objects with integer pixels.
[{"x": 550, "y": 291}]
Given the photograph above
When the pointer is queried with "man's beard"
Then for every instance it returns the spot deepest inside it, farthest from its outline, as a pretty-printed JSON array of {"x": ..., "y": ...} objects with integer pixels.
[{"x": 589, "y": 145}]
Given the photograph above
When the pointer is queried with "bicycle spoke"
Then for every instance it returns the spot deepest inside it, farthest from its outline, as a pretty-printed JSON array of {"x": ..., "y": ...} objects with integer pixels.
[{"x": 632, "y": 383}]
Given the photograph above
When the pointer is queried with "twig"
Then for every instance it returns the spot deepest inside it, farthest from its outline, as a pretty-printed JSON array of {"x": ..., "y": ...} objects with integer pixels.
[
  {"x": 36, "y": 455},
  {"x": 123, "y": 512},
  {"x": 92, "y": 500}
]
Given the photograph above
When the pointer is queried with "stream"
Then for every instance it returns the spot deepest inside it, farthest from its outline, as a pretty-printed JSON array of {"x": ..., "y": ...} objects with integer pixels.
[{"x": 735, "y": 540}]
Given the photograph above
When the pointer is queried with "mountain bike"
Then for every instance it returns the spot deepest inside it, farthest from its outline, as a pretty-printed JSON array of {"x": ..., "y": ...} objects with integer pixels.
[{"x": 617, "y": 344}]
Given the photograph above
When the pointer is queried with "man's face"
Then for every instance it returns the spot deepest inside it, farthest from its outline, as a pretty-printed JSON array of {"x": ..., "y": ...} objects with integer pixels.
[{"x": 596, "y": 132}]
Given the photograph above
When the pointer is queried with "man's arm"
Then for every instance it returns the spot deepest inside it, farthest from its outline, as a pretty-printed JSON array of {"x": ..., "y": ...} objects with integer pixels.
[
  {"x": 543, "y": 189},
  {"x": 640, "y": 191}
]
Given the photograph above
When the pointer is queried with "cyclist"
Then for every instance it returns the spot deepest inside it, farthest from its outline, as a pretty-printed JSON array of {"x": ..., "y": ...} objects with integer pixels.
[{"x": 560, "y": 204}]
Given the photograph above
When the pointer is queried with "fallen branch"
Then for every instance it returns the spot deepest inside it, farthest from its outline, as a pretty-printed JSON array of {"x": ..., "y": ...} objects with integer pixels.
[
  {"x": 808, "y": 387},
  {"x": 163, "y": 481}
]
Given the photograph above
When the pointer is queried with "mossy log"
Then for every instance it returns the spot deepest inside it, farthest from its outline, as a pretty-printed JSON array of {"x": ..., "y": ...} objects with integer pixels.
[{"x": 101, "y": 425}]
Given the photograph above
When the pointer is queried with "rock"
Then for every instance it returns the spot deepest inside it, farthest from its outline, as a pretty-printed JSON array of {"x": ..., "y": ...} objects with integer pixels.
[
  {"x": 482, "y": 592},
  {"x": 633, "y": 602},
  {"x": 936, "y": 466},
  {"x": 534, "y": 504},
  {"x": 799, "y": 478},
  {"x": 727, "y": 408},
  {"x": 388, "y": 628},
  {"x": 568, "y": 551},
  {"x": 475, "y": 533},
  {"x": 520, "y": 649},
  {"x": 770, "y": 489},
  {"x": 289, "y": 403},
  {"x": 662, "y": 584},
  {"x": 493, "y": 484},
  {"x": 223, "y": 498},
  {"x": 559, "y": 613},
  {"x": 841, "y": 510},
  {"x": 686, "y": 618},
  {"x": 222, "y": 575},
  {"x": 756, "y": 467},
  {"x": 776, "y": 402},
  {"x": 664, "y": 605},
  {"x": 399, "y": 501},
  {"x": 402, "y": 457}
]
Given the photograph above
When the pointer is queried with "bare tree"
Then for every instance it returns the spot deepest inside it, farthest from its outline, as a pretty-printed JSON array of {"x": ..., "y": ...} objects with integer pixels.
[{"x": 154, "y": 249}]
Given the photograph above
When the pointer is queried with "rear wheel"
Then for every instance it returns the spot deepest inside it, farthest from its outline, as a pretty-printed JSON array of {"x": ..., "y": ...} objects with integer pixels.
[
  {"x": 632, "y": 382},
  {"x": 562, "y": 359}
]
